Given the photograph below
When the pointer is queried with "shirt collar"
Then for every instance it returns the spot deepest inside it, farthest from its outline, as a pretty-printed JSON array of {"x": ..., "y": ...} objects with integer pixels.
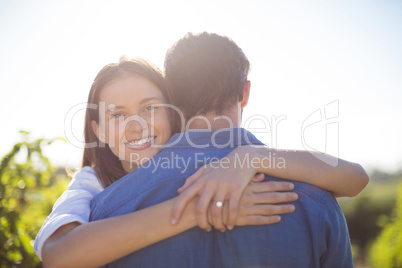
[{"x": 227, "y": 137}]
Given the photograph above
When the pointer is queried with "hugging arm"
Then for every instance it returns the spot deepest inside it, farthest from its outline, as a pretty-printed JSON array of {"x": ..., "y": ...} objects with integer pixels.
[
  {"x": 226, "y": 179},
  {"x": 342, "y": 178},
  {"x": 100, "y": 242}
]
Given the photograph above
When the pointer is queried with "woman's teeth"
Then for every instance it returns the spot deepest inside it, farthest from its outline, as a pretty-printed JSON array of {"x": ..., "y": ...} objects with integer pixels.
[{"x": 142, "y": 141}]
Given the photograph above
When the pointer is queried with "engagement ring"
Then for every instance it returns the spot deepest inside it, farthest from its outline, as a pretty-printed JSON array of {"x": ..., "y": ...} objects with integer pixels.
[{"x": 219, "y": 204}]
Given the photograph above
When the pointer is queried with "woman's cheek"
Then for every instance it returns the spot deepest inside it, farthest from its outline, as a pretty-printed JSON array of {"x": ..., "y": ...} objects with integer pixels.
[{"x": 162, "y": 123}]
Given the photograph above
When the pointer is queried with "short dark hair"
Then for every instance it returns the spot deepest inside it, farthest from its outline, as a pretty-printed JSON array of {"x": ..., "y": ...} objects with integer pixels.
[{"x": 205, "y": 73}]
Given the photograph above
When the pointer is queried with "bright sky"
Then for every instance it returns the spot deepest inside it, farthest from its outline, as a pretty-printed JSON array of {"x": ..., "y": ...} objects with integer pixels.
[{"x": 342, "y": 59}]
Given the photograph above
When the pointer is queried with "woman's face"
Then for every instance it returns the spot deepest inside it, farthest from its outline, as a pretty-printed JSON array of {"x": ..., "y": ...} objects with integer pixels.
[{"x": 131, "y": 121}]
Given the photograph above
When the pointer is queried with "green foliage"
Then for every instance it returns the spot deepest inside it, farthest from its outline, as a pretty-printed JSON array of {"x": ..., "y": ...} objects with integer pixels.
[
  {"x": 367, "y": 213},
  {"x": 387, "y": 249},
  {"x": 28, "y": 189},
  {"x": 370, "y": 211}
]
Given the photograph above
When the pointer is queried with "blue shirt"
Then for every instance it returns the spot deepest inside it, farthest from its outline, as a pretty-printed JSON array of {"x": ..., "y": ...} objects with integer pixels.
[{"x": 315, "y": 235}]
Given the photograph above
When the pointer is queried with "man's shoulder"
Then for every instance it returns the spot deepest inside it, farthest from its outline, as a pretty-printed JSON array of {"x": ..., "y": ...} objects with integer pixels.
[{"x": 315, "y": 193}]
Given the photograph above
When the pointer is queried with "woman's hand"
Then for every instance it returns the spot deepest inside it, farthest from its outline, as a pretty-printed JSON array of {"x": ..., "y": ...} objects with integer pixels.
[
  {"x": 260, "y": 204},
  {"x": 220, "y": 181}
]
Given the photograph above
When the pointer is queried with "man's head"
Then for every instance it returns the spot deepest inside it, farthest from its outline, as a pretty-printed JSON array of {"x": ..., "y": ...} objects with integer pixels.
[{"x": 207, "y": 74}]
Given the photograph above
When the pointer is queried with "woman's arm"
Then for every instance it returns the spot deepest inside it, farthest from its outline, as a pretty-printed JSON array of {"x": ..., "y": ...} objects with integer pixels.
[
  {"x": 100, "y": 242},
  {"x": 342, "y": 178},
  {"x": 227, "y": 178},
  {"x": 72, "y": 206}
]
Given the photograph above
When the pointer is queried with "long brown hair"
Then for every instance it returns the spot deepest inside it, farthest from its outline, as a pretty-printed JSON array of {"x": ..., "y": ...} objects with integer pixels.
[{"x": 98, "y": 155}]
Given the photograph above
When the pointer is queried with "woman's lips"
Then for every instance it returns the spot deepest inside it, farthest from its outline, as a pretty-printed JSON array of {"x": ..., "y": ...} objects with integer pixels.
[{"x": 140, "y": 143}]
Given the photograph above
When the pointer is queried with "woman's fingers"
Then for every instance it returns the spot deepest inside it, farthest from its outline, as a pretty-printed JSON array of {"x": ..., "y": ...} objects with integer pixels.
[
  {"x": 258, "y": 220},
  {"x": 262, "y": 203},
  {"x": 190, "y": 180},
  {"x": 274, "y": 197},
  {"x": 272, "y": 186},
  {"x": 233, "y": 208},
  {"x": 258, "y": 177},
  {"x": 183, "y": 200},
  {"x": 216, "y": 210},
  {"x": 201, "y": 209},
  {"x": 270, "y": 210}
]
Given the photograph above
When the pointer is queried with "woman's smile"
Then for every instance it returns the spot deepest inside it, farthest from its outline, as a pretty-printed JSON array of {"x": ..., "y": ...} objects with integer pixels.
[{"x": 140, "y": 144}]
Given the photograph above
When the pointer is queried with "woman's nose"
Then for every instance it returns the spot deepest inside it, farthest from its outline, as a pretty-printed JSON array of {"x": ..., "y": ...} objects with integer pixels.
[{"x": 136, "y": 123}]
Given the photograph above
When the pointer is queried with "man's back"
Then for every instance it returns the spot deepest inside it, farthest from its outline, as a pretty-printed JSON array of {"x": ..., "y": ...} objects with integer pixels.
[{"x": 314, "y": 235}]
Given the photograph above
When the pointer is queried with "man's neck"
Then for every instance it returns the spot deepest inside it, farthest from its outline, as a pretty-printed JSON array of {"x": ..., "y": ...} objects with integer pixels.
[{"x": 213, "y": 121}]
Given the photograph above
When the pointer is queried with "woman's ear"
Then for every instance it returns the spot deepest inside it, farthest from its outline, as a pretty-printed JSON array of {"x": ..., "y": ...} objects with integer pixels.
[{"x": 98, "y": 131}]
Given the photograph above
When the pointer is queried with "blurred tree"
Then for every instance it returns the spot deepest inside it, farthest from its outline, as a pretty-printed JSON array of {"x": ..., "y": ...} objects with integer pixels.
[
  {"x": 365, "y": 212},
  {"x": 28, "y": 190},
  {"x": 386, "y": 252},
  {"x": 364, "y": 220}
]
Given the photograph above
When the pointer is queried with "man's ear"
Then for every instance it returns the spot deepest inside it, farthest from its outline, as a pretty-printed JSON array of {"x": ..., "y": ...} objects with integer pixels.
[
  {"x": 98, "y": 132},
  {"x": 246, "y": 93}
]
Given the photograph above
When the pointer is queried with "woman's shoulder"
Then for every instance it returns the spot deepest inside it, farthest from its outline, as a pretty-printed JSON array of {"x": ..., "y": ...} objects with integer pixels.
[
  {"x": 86, "y": 170},
  {"x": 85, "y": 178}
]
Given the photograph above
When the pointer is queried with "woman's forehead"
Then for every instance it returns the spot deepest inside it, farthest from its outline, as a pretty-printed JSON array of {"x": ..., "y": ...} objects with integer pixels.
[{"x": 129, "y": 88}]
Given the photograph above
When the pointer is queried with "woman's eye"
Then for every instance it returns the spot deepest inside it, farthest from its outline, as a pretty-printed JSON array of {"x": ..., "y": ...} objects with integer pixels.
[
  {"x": 116, "y": 115},
  {"x": 150, "y": 108}
]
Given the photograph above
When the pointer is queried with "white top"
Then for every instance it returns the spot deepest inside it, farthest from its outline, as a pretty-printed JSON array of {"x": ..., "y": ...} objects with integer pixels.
[{"x": 72, "y": 206}]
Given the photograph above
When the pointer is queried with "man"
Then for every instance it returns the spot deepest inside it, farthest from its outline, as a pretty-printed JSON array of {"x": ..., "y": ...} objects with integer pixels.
[{"x": 207, "y": 75}]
